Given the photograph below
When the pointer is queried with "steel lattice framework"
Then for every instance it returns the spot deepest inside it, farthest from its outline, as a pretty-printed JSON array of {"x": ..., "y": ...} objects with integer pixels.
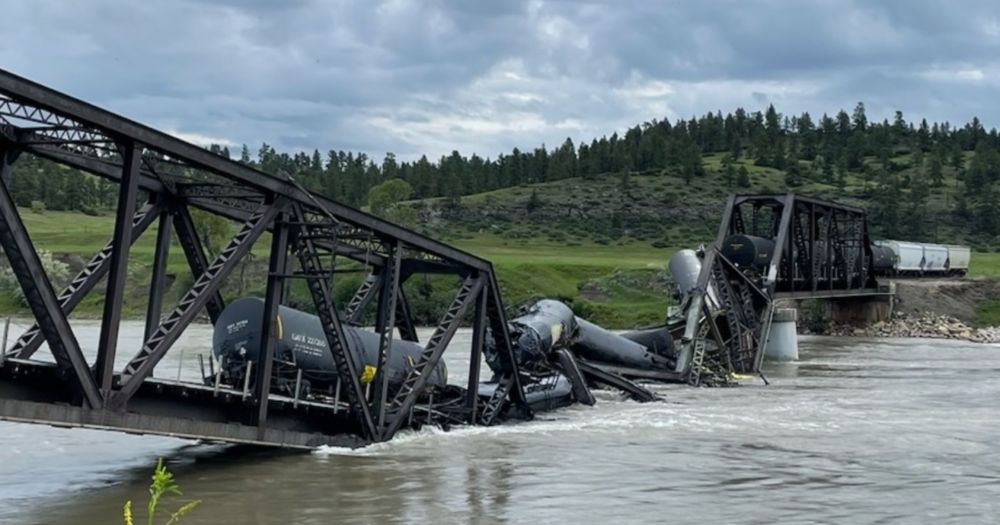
[
  {"x": 161, "y": 179},
  {"x": 821, "y": 250}
]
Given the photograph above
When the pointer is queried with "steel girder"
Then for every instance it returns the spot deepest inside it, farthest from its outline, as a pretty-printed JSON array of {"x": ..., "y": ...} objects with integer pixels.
[
  {"x": 84, "y": 282},
  {"x": 157, "y": 280},
  {"x": 180, "y": 177},
  {"x": 7, "y": 158},
  {"x": 404, "y": 318},
  {"x": 480, "y": 322},
  {"x": 40, "y": 296},
  {"x": 194, "y": 253},
  {"x": 385, "y": 325},
  {"x": 416, "y": 380},
  {"x": 204, "y": 288},
  {"x": 27, "y": 100},
  {"x": 510, "y": 388},
  {"x": 118, "y": 269},
  {"x": 318, "y": 281},
  {"x": 363, "y": 297},
  {"x": 277, "y": 269},
  {"x": 689, "y": 340}
]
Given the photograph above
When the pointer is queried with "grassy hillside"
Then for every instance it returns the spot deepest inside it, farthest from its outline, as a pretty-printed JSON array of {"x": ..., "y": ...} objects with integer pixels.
[
  {"x": 656, "y": 206},
  {"x": 601, "y": 244}
]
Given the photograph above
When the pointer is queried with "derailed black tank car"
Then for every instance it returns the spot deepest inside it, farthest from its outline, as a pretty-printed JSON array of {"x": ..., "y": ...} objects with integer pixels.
[
  {"x": 748, "y": 251},
  {"x": 883, "y": 260}
]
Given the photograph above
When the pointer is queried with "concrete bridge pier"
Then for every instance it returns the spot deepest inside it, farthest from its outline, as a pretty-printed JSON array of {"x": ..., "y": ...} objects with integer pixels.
[{"x": 783, "y": 340}]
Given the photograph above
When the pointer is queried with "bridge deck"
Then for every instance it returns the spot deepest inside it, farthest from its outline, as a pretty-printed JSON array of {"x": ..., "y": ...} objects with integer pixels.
[
  {"x": 833, "y": 294},
  {"x": 175, "y": 409}
]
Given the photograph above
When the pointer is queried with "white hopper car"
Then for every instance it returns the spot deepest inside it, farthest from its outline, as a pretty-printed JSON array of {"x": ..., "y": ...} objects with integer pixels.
[{"x": 915, "y": 258}]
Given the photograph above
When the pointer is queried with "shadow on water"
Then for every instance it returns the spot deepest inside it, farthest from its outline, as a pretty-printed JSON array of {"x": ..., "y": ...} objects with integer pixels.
[
  {"x": 414, "y": 480},
  {"x": 188, "y": 462}
]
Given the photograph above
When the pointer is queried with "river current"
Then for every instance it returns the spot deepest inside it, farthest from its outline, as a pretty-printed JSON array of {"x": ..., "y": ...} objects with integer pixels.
[{"x": 857, "y": 431}]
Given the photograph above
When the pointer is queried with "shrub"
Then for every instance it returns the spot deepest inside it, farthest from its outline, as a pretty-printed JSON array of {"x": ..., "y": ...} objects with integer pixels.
[
  {"x": 37, "y": 206},
  {"x": 814, "y": 316},
  {"x": 163, "y": 484},
  {"x": 57, "y": 271}
]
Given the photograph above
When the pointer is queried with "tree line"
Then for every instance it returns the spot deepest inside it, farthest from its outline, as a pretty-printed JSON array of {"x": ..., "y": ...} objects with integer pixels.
[{"x": 899, "y": 161}]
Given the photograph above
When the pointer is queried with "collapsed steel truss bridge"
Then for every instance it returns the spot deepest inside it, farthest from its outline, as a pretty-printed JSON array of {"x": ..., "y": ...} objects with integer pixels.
[
  {"x": 161, "y": 179},
  {"x": 821, "y": 250}
]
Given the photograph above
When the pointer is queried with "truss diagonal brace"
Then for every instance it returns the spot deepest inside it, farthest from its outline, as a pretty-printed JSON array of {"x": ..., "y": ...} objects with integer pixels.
[
  {"x": 201, "y": 292},
  {"x": 270, "y": 330},
  {"x": 194, "y": 252},
  {"x": 385, "y": 325},
  {"x": 496, "y": 314},
  {"x": 38, "y": 292},
  {"x": 84, "y": 282},
  {"x": 363, "y": 297},
  {"x": 404, "y": 318},
  {"x": 416, "y": 379},
  {"x": 781, "y": 239},
  {"x": 319, "y": 287}
]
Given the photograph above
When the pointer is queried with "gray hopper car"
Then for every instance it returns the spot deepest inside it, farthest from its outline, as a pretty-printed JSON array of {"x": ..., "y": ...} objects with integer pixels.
[{"x": 915, "y": 258}]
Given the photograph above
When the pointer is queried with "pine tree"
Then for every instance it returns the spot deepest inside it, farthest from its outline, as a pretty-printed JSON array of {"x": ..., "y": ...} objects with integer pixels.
[
  {"x": 245, "y": 155},
  {"x": 859, "y": 119},
  {"x": 936, "y": 168},
  {"x": 793, "y": 176},
  {"x": 743, "y": 177},
  {"x": 728, "y": 171},
  {"x": 917, "y": 215},
  {"x": 534, "y": 202}
]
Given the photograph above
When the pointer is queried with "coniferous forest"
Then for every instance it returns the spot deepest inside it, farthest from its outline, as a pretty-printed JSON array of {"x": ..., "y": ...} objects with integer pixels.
[{"x": 901, "y": 164}]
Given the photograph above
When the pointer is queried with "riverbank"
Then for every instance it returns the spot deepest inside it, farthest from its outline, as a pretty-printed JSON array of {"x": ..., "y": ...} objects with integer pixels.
[
  {"x": 963, "y": 309},
  {"x": 926, "y": 326}
]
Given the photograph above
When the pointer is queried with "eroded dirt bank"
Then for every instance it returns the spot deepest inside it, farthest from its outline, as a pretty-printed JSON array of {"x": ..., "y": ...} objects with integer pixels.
[{"x": 935, "y": 308}]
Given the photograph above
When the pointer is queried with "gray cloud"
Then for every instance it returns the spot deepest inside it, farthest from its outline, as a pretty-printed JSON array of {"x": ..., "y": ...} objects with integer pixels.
[{"x": 429, "y": 76}]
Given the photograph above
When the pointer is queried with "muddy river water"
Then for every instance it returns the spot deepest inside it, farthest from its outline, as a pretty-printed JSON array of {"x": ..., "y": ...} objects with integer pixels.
[{"x": 857, "y": 431}]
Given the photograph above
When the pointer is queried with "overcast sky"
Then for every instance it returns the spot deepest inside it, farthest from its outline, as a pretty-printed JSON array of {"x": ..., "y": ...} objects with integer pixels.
[{"x": 417, "y": 77}]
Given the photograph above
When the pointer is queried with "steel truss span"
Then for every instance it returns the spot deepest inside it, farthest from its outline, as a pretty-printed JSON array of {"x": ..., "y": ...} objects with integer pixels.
[
  {"x": 162, "y": 179},
  {"x": 372, "y": 383},
  {"x": 769, "y": 247}
]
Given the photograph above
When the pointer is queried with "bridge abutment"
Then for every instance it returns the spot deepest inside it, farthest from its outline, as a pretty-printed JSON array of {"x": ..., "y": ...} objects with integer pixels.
[{"x": 861, "y": 311}]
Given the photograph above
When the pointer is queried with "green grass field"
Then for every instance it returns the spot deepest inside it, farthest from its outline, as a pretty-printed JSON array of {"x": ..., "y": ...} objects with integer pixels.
[{"x": 616, "y": 278}]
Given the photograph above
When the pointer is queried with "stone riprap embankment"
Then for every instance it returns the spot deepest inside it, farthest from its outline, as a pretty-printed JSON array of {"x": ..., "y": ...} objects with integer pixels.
[{"x": 931, "y": 326}]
